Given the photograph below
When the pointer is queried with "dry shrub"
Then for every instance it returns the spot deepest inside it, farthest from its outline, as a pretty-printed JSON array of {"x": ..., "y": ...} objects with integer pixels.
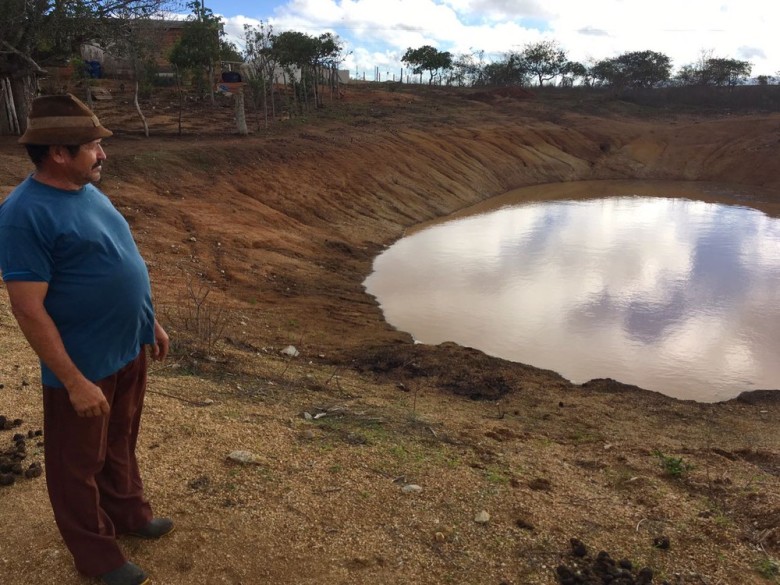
[{"x": 197, "y": 322}]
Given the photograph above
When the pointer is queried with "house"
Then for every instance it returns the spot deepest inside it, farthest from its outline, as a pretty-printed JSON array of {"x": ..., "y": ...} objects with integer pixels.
[{"x": 114, "y": 62}]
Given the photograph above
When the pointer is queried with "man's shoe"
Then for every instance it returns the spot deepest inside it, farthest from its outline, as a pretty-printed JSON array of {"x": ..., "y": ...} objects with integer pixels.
[
  {"x": 127, "y": 574},
  {"x": 157, "y": 528}
]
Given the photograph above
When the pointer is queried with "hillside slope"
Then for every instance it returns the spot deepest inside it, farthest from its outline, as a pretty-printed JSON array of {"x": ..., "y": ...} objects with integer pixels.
[{"x": 271, "y": 237}]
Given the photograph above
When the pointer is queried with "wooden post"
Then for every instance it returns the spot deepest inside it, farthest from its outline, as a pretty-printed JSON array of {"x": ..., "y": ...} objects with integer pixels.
[
  {"x": 240, "y": 112},
  {"x": 10, "y": 108}
]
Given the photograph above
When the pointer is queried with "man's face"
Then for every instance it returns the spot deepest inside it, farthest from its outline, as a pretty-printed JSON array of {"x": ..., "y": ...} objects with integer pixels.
[{"x": 86, "y": 165}]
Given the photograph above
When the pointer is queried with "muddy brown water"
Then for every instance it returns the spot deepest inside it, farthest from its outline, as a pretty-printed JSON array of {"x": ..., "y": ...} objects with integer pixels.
[{"x": 673, "y": 287}]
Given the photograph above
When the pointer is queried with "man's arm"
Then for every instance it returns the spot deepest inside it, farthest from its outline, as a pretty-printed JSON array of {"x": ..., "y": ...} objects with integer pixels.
[{"x": 39, "y": 329}]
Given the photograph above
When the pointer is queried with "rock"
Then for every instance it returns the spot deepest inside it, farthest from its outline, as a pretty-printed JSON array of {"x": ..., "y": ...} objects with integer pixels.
[
  {"x": 661, "y": 542},
  {"x": 645, "y": 577},
  {"x": 244, "y": 457},
  {"x": 578, "y": 548},
  {"x": 7, "y": 479},
  {"x": 482, "y": 518},
  {"x": 35, "y": 470},
  {"x": 411, "y": 489},
  {"x": 308, "y": 416},
  {"x": 290, "y": 351}
]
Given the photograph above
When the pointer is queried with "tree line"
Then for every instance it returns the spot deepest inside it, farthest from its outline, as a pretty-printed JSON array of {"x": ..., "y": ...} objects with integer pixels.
[
  {"x": 287, "y": 73},
  {"x": 546, "y": 61}
]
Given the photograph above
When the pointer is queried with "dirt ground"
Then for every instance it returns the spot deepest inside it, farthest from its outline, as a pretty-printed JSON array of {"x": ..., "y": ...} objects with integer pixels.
[{"x": 372, "y": 459}]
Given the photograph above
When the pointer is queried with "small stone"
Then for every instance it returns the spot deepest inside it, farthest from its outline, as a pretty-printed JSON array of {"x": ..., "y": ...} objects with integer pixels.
[
  {"x": 411, "y": 489},
  {"x": 661, "y": 542},
  {"x": 439, "y": 537},
  {"x": 482, "y": 518},
  {"x": 308, "y": 416},
  {"x": 207, "y": 402},
  {"x": 244, "y": 457},
  {"x": 308, "y": 434},
  {"x": 290, "y": 351},
  {"x": 7, "y": 479},
  {"x": 644, "y": 577},
  {"x": 35, "y": 470},
  {"x": 578, "y": 548}
]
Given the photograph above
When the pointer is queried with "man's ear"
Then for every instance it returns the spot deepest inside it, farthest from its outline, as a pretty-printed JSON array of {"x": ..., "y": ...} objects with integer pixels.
[{"x": 59, "y": 153}]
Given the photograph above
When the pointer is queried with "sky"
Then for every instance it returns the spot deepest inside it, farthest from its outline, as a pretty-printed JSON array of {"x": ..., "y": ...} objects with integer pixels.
[{"x": 376, "y": 33}]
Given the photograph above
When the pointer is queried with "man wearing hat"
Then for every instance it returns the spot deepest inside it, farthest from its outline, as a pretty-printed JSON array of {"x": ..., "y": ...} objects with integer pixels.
[{"x": 80, "y": 292}]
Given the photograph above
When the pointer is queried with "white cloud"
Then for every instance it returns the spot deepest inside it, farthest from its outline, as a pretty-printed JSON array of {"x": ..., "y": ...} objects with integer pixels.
[{"x": 591, "y": 30}]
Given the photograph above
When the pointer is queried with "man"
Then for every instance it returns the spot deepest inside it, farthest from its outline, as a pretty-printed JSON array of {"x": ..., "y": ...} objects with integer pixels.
[{"x": 80, "y": 292}]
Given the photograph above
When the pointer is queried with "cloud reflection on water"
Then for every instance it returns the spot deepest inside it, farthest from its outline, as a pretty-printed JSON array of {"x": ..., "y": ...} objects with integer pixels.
[{"x": 673, "y": 295}]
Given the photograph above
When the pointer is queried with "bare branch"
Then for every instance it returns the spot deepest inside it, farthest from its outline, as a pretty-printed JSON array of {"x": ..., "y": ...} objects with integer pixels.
[{"x": 26, "y": 58}]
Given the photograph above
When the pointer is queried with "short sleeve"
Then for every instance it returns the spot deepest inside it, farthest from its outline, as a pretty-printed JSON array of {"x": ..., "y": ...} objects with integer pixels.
[{"x": 23, "y": 256}]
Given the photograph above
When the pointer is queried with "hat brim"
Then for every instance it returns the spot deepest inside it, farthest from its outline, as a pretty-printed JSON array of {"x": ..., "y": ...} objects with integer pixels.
[{"x": 60, "y": 136}]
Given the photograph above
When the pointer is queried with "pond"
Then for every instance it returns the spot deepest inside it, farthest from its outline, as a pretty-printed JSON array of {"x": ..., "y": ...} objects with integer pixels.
[{"x": 600, "y": 279}]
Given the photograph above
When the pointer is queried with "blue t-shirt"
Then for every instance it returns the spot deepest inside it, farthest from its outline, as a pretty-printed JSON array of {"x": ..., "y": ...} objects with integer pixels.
[{"x": 99, "y": 295}]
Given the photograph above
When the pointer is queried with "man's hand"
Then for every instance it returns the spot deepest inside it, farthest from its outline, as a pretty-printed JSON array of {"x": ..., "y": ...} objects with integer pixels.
[
  {"x": 36, "y": 324},
  {"x": 161, "y": 343},
  {"x": 87, "y": 399}
]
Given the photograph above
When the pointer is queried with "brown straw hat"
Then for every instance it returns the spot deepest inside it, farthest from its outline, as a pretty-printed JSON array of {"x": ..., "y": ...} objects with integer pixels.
[{"x": 61, "y": 119}]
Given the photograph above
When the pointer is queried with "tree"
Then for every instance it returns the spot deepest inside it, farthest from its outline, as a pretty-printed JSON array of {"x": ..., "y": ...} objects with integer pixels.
[
  {"x": 296, "y": 52},
  {"x": 545, "y": 59},
  {"x": 511, "y": 70},
  {"x": 634, "y": 69},
  {"x": 572, "y": 71},
  {"x": 717, "y": 71},
  {"x": 327, "y": 58},
  {"x": 468, "y": 69},
  {"x": 36, "y": 33},
  {"x": 198, "y": 47},
  {"x": 261, "y": 62},
  {"x": 726, "y": 72},
  {"x": 428, "y": 58}
]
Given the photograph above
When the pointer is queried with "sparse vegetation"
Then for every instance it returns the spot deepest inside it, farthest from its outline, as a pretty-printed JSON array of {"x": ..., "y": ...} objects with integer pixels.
[
  {"x": 327, "y": 502},
  {"x": 675, "y": 467}
]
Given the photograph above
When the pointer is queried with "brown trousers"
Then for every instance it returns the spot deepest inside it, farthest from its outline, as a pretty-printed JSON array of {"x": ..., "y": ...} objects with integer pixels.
[{"x": 92, "y": 473}]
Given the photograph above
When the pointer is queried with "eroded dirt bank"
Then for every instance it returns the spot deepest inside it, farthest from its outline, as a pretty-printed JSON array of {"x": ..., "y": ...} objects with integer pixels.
[{"x": 282, "y": 229}]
